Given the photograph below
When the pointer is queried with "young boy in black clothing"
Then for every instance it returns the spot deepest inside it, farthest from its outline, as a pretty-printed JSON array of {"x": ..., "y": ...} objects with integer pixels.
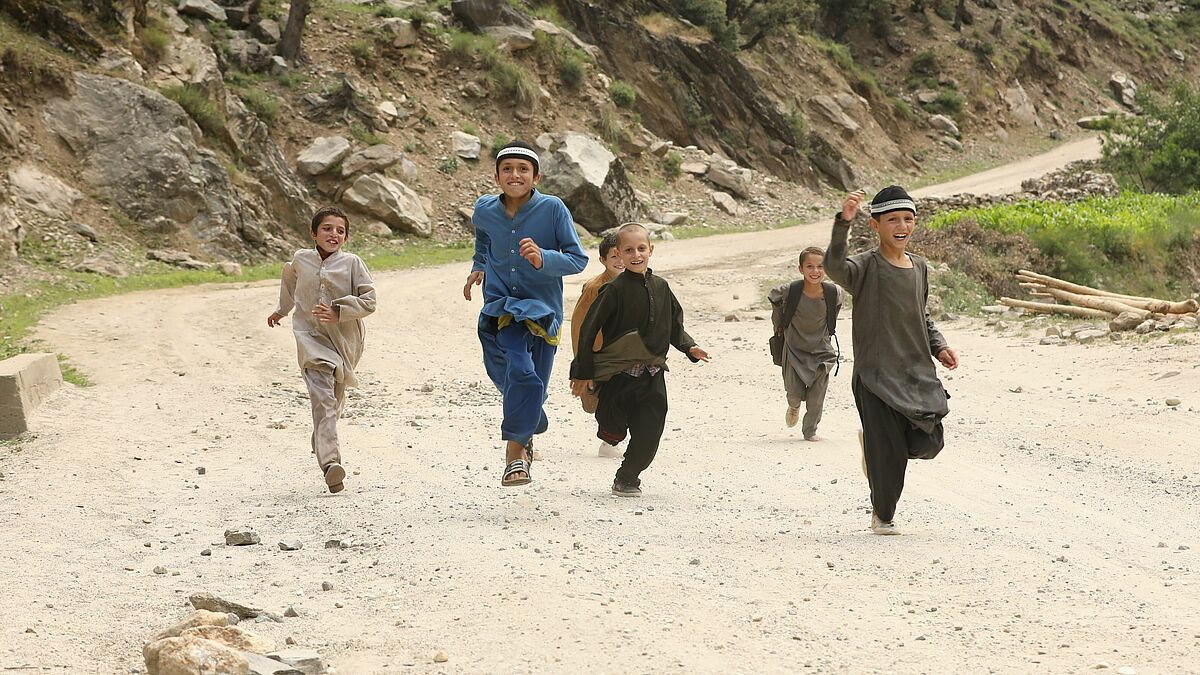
[{"x": 640, "y": 318}]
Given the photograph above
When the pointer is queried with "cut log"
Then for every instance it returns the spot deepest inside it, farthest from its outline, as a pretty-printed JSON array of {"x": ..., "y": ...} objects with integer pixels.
[
  {"x": 1110, "y": 305},
  {"x": 1152, "y": 304},
  {"x": 1047, "y": 308}
]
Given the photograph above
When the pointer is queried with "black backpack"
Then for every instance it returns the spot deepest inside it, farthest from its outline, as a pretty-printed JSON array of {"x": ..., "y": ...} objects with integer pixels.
[{"x": 790, "y": 303}]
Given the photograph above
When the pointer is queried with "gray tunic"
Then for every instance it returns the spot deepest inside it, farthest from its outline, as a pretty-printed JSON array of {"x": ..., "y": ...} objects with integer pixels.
[
  {"x": 894, "y": 338},
  {"x": 808, "y": 349}
]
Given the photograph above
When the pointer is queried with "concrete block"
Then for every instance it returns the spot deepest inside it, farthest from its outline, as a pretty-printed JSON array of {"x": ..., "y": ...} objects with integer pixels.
[{"x": 26, "y": 380}]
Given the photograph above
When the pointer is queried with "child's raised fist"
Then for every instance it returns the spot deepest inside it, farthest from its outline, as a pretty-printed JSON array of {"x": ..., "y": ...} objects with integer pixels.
[{"x": 850, "y": 206}]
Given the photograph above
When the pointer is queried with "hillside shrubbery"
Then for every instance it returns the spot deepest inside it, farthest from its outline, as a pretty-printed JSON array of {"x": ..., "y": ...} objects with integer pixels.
[{"x": 1158, "y": 151}]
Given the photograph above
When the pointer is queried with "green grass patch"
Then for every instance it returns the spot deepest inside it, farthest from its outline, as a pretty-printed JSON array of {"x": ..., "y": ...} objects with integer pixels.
[
  {"x": 622, "y": 94},
  {"x": 1134, "y": 243},
  {"x": 199, "y": 107},
  {"x": 261, "y": 103},
  {"x": 20, "y": 312}
]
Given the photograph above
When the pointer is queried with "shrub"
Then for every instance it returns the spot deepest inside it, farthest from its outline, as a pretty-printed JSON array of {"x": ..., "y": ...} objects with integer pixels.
[
  {"x": 365, "y": 136},
  {"x": 448, "y": 165},
  {"x": 156, "y": 38},
  {"x": 799, "y": 127},
  {"x": 611, "y": 127},
  {"x": 926, "y": 63},
  {"x": 363, "y": 51},
  {"x": 199, "y": 107},
  {"x": 572, "y": 70},
  {"x": 672, "y": 165},
  {"x": 514, "y": 81},
  {"x": 261, "y": 103},
  {"x": 622, "y": 94},
  {"x": 1160, "y": 149},
  {"x": 498, "y": 141},
  {"x": 946, "y": 103}
]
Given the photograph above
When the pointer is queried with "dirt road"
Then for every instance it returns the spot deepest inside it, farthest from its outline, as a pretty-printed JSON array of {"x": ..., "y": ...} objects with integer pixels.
[{"x": 1057, "y": 531}]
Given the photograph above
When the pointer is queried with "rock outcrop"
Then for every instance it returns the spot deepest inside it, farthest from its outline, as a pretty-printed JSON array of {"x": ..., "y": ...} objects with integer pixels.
[{"x": 590, "y": 180}]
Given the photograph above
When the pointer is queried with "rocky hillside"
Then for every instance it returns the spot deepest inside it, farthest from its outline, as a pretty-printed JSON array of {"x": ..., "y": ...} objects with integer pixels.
[{"x": 136, "y": 133}]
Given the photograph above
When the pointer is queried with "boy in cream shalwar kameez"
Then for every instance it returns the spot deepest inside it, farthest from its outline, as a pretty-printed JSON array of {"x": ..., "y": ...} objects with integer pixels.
[{"x": 332, "y": 291}]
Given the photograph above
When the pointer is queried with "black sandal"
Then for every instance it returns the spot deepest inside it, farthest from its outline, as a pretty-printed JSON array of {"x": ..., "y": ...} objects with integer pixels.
[{"x": 514, "y": 467}]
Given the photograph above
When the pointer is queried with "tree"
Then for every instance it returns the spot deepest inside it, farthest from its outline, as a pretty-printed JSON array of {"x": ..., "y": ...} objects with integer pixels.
[
  {"x": 1159, "y": 150},
  {"x": 289, "y": 42}
]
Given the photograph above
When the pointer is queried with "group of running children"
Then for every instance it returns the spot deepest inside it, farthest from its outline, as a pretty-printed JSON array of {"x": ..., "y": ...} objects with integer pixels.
[{"x": 624, "y": 324}]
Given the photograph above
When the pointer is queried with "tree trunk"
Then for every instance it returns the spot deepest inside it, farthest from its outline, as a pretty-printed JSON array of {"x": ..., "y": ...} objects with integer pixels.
[
  {"x": 289, "y": 42},
  {"x": 1047, "y": 308},
  {"x": 1110, "y": 305},
  {"x": 1153, "y": 304}
]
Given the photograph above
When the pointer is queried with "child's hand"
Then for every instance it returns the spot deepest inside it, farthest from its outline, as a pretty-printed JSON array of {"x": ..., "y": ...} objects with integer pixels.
[
  {"x": 948, "y": 358},
  {"x": 850, "y": 206},
  {"x": 473, "y": 279},
  {"x": 274, "y": 319},
  {"x": 580, "y": 387},
  {"x": 699, "y": 354},
  {"x": 326, "y": 314},
  {"x": 531, "y": 252}
]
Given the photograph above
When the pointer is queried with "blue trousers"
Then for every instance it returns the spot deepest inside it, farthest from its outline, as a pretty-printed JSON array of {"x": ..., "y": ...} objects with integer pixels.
[{"x": 519, "y": 364}]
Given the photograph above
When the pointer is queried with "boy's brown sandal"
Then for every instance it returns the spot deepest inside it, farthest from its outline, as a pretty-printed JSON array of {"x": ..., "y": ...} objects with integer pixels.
[{"x": 334, "y": 475}]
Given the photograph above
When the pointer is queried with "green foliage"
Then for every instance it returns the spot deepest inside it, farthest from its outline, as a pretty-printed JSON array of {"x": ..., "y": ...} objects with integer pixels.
[
  {"x": 504, "y": 75},
  {"x": 799, "y": 126},
  {"x": 261, "y": 103},
  {"x": 672, "y": 165},
  {"x": 156, "y": 38},
  {"x": 622, "y": 94},
  {"x": 926, "y": 63},
  {"x": 365, "y": 136},
  {"x": 1160, "y": 149},
  {"x": 195, "y": 102},
  {"x": 448, "y": 165},
  {"x": 947, "y": 103},
  {"x": 944, "y": 9},
  {"x": 1134, "y": 243},
  {"x": 610, "y": 126},
  {"x": 498, "y": 141},
  {"x": 572, "y": 70},
  {"x": 363, "y": 51}
]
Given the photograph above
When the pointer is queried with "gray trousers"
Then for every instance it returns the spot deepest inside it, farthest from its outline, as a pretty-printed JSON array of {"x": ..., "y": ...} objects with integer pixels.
[
  {"x": 327, "y": 397},
  {"x": 812, "y": 396}
]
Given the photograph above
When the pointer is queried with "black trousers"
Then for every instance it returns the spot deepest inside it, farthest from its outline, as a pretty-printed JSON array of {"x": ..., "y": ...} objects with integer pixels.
[
  {"x": 637, "y": 406},
  {"x": 889, "y": 441}
]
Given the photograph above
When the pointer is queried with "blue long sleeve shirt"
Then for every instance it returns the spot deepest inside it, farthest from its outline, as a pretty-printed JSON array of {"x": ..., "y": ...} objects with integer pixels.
[{"x": 511, "y": 285}]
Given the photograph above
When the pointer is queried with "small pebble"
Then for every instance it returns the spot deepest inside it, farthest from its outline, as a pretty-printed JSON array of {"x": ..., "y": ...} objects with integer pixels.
[
  {"x": 441, "y": 656},
  {"x": 291, "y": 612},
  {"x": 160, "y": 570},
  {"x": 206, "y": 552},
  {"x": 326, "y": 586}
]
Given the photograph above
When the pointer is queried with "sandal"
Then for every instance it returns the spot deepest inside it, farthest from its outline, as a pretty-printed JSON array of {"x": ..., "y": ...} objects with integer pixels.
[{"x": 514, "y": 467}]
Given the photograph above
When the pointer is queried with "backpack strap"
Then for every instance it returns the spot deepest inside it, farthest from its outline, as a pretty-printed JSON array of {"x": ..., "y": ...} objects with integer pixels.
[
  {"x": 790, "y": 303},
  {"x": 831, "y": 306}
]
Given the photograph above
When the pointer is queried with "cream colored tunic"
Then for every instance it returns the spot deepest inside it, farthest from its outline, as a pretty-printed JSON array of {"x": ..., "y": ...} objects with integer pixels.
[{"x": 340, "y": 281}]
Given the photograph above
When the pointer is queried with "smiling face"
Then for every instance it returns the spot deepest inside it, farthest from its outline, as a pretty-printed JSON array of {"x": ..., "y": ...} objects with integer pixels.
[
  {"x": 636, "y": 249},
  {"x": 894, "y": 229},
  {"x": 330, "y": 235},
  {"x": 613, "y": 263},
  {"x": 516, "y": 177},
  {"x": 813, "y": 269}
]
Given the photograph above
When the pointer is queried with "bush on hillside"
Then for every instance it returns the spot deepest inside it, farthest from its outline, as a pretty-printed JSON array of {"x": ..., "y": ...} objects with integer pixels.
[
  {"x": 622, "y": 94},
  {"x": 1158, "y": 151}
]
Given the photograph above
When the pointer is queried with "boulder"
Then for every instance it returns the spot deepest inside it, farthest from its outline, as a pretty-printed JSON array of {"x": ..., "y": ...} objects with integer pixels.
[
  {"x": 304, "y": 660},
  {"x": 1092, "y": 122},
  {"x": 833, "y": 112},
  {"x": 925, "y": 96},
  {"x": 1021, "y": 106},
  {"x": 140, "y": 150},
  {"x": 943, "y": 123},
  {"x": 272, "y": 192},
  {"x": 189, "y": 61},
  {"x": 104, "y": 264},
  {"x": 465, "y": 145},
  {"x": 10, "y": 131},
  {"x": 831, "y": 162},
  {"x": 409, "y": 171},
  {"x": 372, "y": 160},
  {"x": 200, "y": 617},
  {"x": 192, "y": 655},
  {"x": 481, "y": 14},
  {"x": 322, "y": 155},
  {"x": 250, "y": 55},
  {"x": 203, "y": 9},
  {"x": 232, "y": 636},
  {"x": 26, "y": 381},
  {"x": 401, "y": 32},
  {"x": 391, "y": 201},
  {"x": 730, "y": 177},
  {"x": 266, "y": 31},
  {"x": 694, "y": 168},
  {"x": 726, "y": 203},
  {"x": 674, "y": 218},
  {"x": 42, "y": 192},
  {"x": 261, "y": 665},
  {"x": 590, "y": 180},
  {"x": 511, "y": 38},
  {"x": 1124, "y": 89},
  {"x": 240, "y": 13},
  {"x": 12, "y": 233}
]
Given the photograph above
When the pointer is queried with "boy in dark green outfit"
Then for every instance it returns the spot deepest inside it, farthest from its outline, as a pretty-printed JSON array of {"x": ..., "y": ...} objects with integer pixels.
[{"x": 900, "y": 400}]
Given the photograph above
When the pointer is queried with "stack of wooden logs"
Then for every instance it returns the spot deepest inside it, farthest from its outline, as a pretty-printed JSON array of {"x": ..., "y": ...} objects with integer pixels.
[{"x": 1123, "y": 312}]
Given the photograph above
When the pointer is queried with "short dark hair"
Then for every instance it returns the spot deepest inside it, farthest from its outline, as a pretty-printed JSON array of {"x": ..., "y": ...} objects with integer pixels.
[
  {"x": 811, "y": 250},
  {"x": 325, "y": 211},
  {"x": 522, "y": 145},
  {"x": 607, "y": 244}
]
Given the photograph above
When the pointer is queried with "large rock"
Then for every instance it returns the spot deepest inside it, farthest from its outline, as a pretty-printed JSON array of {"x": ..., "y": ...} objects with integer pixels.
[
  {"x": 322, "y": 155},
  {"x": 481, "y": 14},
  {"x": 204, "y": 9},
  {"x": 374, "y": 159},
  {"x": 10, "y": 130},
  {"x": 391, "y": 201},
  {"x": 943, "y": 123},
  {"x": 591, "y": 180},
  {"x": 240, "y": 13},
  {"x": 402, "y": 32},
  {"x": 267, "y": 31},
  {"x": 250, "y": 55},
  {"x": 271, "y": 190},
  {"x": 1021, "y": 106},
  {"x": 42, "y": 192},
  {"x": 26, "y": 380},
  {"x": 12, "y": 232},
  {"x": 730, "y": 177},
  {"x": 232, "y": 636},
  {"x": 141, "y": 151},
  {"x": 833, "y": 112},
  {"x": 200, "y": 617},
  {"x": 511, "y": 38},
  {"x": 465, "y": 145},
  {"x": 193, "y": 656},
  {"x": 1124, "y": 89},
  {"x": 726, "y": 203},
  {"x": 189, "y": 61},
  {"x": 832, "y": 163},
  {"x": 304, "y": 660}
]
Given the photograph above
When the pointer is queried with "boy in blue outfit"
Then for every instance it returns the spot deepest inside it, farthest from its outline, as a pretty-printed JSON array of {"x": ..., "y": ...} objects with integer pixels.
[{"x": 525, "y": 243}]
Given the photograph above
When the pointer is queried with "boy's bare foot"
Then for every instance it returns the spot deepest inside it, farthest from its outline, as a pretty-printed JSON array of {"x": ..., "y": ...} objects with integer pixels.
[
  {"x": 334, "y": 475},
  {"x": 609, "y": 450},
  {"x": 791, "y": 416}
]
